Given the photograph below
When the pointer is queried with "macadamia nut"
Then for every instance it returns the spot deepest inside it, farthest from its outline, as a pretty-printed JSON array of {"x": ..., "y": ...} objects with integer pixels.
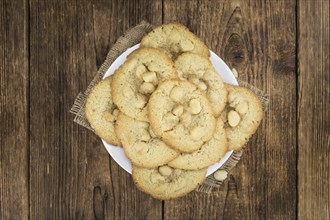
[
  {"x": 178, "y": 110},
  {"x": 195, "y": 106},
  {"x": 233, "y": 118},
  {"x": 165, "y": 170}
]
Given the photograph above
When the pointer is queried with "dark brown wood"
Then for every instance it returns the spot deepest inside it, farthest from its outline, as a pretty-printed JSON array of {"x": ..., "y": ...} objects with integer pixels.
[
  {"x": 313, "y": 110},
  {"x": 258, "y": 39},
  {"x": 14, "y": 119},
  {"x": 71, "y": 174}
]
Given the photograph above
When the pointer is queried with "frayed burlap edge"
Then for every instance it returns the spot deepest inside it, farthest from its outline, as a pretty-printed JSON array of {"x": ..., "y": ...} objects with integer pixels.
[
  {"x": 130, "y": 38},
  {"x": 211, "y": 184}
]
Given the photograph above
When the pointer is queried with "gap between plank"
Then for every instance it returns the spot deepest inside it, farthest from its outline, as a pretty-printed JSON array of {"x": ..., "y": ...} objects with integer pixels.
[
  {"x": 28, "y": 135},
  {"x": 297, "y": 103}
]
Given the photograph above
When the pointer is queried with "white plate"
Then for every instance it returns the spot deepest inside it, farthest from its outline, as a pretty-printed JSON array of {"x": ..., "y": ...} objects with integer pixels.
[{"x": 117, "y": 153}]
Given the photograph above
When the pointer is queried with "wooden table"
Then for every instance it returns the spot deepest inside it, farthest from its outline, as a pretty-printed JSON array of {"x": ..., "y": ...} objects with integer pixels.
[{"x": 51, "y": 168}]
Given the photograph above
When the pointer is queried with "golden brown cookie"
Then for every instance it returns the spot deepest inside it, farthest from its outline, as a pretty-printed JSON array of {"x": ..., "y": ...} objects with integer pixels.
[
  {"x": 137, "y": 78},
  {"x": 200, "y": 71},
  {"x": 141, "y": 146},
  {"x": 211, "y": 152},
  {"x": 101, "y": 112},
  {"x": 167, "y": 183},
  {"x": 174, "y": 39},
  {"x": 181, "y": 115},
  {"x": 242, "y": 115}
]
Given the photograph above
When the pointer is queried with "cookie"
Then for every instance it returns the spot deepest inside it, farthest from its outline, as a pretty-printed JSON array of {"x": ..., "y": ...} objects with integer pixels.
[
  {"x": 167, "y": 183},
  {"x": 242, "y": 115},
  {"x": 141, "y": 146},
  {"x": 174, "y": 39},
  {"x": 137, "y": 78},
  {"x": 181, "y": 115},
  {"x": 200, "y": 71},
  {"x": 210, "y": 153},
  {"x": 101, "y": 112}
]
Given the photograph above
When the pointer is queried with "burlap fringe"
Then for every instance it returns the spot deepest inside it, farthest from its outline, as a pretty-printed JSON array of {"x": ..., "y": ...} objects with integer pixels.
[{"x": 130, "y": 38}]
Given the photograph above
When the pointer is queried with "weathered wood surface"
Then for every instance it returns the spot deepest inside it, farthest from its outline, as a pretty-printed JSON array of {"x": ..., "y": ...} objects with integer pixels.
[
  {"x": 313, "y": 110},
  {"x": 51, "y": 168},
  {"x": 14, "y": 110},
  {"x": 71, "y": 174},
  {"x": 258, "y": 39}
]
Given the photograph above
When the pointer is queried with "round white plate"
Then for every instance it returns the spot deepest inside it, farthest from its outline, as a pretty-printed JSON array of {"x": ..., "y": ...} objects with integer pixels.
[{"x": 117, "y": 153}]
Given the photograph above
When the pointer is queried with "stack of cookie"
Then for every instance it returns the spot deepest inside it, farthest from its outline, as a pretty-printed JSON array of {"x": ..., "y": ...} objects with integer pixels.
[{"x": 171, "y": 112}]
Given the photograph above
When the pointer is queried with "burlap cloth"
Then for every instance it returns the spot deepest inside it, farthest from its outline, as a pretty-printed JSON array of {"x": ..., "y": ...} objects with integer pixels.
[{"x": 130, "y": 38}]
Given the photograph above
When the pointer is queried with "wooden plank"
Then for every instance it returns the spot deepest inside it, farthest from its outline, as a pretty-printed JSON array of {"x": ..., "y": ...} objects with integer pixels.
[
  {"x": 313, "y": 108},
  {"x": 111, "y": 20},
  {"x": 14, "y": 90},
  {"x": 71, "y": 174},
  {"x": 258, "y": 39}
]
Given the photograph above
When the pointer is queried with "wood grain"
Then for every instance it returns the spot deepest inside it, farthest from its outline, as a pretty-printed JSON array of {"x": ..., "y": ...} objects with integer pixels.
[
  {"x": 14, "y": 121},
  {"x": 258, "y": 39},
  {"x": 313, "y": 110},
  {"x": 71, "y": 175}
]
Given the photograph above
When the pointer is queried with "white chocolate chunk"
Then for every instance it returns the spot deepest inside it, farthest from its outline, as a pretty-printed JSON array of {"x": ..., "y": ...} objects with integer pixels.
[
  {"x": 109, "y": 117},
  {"x": 140, "y": 70},
  {"x": 149, "y": 77},
  {"x": 178, "y": 110},
  {"x": 147, "y": 88},
  {"x": 233, "y": 118},
  {"x": 202, "y": 86},
  {"x": 177, "y": 94},
  {"x": 165, "y": 170},
  {"x": 242, "y": 107},
  {"x": 220, "y": 175},
  {"x": 195, "y": 106}
]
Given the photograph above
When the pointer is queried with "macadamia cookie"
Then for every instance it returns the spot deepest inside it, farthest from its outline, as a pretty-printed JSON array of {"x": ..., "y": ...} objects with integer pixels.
[
  {"x": 242, "y": 115},
  {"x": 141, "y": 146},
  {"x": 174, "y": 39},
  {"x": 137, "y": 78},
  {"x": 211, "y": 152},
  {"x": 200, "y": 71},
  {"x": 101, "y": 112},
  {"x": 167, "y": 183},
  {"x": 181, "y": 115}
]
